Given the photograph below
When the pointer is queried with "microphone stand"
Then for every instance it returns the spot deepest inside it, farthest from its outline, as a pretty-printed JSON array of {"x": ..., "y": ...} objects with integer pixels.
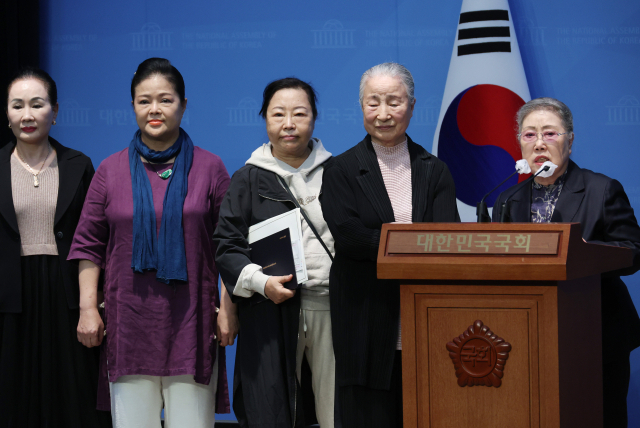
[
  {"x": 482, "y": 212},
  {"x": 504, "y": 211}
]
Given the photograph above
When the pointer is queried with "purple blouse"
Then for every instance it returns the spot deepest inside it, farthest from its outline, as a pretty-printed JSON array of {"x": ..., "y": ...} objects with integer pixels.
[{"x": 153, "y": 328}]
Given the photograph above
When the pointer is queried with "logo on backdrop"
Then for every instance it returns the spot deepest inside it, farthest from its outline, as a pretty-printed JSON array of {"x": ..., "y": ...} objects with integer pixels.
[
  {"x": 118, "y": 117},
  {"x": 427, "y": 113},
  {"x": 531, "y": 35},
  {"x": 627, "y": 112},
  {"x": 246, "y": 114},
  {"x": 337, "y": 116},
  {"x": 72, "y": 42},
  {"x": 333, "y": 35},
  {"x": 151, "y": 38},
  {"x": 486, "y": 86},
  {"x": 71, "y": 114}
]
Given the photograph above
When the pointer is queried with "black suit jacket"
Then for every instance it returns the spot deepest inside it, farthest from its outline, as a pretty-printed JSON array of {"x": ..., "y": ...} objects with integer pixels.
[
  {"x": 365, "y": 311},
  {"x": 602, "y": 208},
  {"x": 75, "y": 173}
]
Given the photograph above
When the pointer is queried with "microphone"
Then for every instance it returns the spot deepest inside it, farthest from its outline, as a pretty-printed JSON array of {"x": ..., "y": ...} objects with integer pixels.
[
  {"x": 482, "y": 212},
  {"x": 504, "y": 211}
]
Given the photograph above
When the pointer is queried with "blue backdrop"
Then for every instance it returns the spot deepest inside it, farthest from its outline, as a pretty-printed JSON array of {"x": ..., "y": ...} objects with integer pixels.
[{"x": 585, "y": 53}]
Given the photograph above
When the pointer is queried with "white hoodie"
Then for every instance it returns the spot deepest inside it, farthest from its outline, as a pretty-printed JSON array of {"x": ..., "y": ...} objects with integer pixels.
[{"x": 305, "y": 183}]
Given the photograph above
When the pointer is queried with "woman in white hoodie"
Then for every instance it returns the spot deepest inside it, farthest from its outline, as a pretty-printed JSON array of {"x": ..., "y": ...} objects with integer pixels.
[{"x": 279, "y": 326}]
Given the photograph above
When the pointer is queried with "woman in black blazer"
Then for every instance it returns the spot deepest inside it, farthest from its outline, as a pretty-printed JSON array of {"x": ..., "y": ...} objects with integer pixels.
[
  {"x": 384, "y": 178},
  {"x": 600, "y": 205},
  {"x": 47, "y": 378}
]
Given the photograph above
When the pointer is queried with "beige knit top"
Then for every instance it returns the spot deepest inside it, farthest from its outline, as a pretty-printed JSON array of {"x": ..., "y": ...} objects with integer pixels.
[
  {"x": 35, "y": 206},
  {"x": 395, "y": 166}
]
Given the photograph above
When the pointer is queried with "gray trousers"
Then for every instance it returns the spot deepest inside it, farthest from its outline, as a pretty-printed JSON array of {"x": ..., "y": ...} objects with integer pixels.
[{"x": 315, "y": 341}]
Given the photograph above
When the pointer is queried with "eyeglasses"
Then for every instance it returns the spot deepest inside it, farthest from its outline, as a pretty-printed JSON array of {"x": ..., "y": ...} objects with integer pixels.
[{"x": 547, "y": 136}]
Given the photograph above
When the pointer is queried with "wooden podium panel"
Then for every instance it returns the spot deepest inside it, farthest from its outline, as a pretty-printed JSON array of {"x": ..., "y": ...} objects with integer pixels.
[
  {"x": 543, "y": 342},
  {"x": 543, "y": 308},
  {"x": 474, "y": 406}
]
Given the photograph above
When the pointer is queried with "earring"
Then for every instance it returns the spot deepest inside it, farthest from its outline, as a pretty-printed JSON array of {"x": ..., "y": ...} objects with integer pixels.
[
  {"x": 9, "y": 126},
  {"x": 54, "y": 121}
]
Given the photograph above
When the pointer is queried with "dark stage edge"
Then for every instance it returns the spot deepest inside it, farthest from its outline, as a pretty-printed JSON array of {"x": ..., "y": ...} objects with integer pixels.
[{"x": 229, "y": 424}]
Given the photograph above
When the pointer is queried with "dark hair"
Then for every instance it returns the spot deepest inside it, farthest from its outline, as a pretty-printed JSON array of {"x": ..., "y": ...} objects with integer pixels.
[
  {"x": 288, "y": 83},
  {"x": 153, "y": 66},
  {"x": 30, "y": 72}
]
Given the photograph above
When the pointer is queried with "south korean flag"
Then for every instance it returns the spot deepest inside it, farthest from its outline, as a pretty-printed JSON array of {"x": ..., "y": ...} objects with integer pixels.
[{"x": 486, "y": 86}]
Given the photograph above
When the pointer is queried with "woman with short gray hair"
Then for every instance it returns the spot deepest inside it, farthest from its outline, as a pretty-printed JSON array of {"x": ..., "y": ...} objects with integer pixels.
[
  {"x": 550, "y": 104},
  {"x": 384, "y": 178},
  {"x": 390, "y": 69},
  {"x": 600, "y": 205}
]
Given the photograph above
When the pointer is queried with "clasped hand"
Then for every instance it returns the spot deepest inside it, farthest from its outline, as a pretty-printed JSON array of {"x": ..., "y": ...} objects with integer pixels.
[
  {"x": 277, "y": 292},
  {"x": 90, "y": 328}
]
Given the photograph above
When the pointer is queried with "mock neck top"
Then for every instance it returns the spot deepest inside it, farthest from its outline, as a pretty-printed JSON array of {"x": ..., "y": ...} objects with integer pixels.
[{"x": 395, "y": 166}]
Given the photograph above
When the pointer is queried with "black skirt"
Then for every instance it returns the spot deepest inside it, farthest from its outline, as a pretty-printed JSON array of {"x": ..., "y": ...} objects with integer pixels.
[
  {"x": 363, "y": 407},
  {"x": 47, "y": 377}
]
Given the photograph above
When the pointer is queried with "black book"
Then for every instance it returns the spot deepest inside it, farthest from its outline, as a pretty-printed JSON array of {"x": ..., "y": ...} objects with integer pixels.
[{"x": 275, "y": 255}]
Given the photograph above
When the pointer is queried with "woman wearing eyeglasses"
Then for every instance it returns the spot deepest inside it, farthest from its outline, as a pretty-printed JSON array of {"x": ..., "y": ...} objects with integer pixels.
[{"x": 600, "y": 205}]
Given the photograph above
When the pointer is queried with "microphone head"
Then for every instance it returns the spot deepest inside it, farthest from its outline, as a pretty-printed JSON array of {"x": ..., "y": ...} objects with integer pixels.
[
  {"x": 522, "y": 166},
  {"x": 546, "y": 170}
]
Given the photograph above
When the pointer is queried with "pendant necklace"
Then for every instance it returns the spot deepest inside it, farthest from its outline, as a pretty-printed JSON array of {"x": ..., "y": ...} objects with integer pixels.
[
  {"x": 36, "y": 182},
  {"x": 165, "y": 174}
]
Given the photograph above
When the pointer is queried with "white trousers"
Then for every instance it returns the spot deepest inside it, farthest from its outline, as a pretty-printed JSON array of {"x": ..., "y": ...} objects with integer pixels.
[
  {"x": 137, "y": 401},
  {"x": 315, "y": 341}
]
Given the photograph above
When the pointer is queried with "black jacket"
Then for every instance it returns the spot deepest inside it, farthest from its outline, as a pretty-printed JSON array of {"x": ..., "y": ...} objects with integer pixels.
[
  {"x": 602, "y": 208},
  {"x": 365, "y": 311},
  {"x": 265, "y": 388},
  {"x": 75, "y": 174}
]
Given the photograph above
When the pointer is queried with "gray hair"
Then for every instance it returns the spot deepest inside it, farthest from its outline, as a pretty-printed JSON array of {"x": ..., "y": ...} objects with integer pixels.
[
  {"x": 390, "y": 69},
  {"x": 549, "y": 104}
]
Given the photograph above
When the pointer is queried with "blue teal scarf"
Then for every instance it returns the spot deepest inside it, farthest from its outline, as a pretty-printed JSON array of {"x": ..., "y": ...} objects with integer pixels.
[{"x": 166, "y": 253}]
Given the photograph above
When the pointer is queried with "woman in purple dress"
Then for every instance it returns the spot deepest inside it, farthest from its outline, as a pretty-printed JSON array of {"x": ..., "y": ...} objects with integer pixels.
[{"x": 147, "y": 222}]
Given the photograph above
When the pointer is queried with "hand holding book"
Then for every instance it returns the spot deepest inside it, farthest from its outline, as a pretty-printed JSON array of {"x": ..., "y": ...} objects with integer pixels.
[{"x": 276, "y": 291}]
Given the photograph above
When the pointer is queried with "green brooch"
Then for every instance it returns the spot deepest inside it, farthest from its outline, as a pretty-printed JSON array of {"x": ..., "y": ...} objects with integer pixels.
[{"x": 166, "y": 174}]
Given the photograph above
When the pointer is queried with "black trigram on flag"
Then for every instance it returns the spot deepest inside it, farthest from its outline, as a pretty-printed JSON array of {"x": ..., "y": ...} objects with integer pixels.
[{"x": 484, "y": 32}]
